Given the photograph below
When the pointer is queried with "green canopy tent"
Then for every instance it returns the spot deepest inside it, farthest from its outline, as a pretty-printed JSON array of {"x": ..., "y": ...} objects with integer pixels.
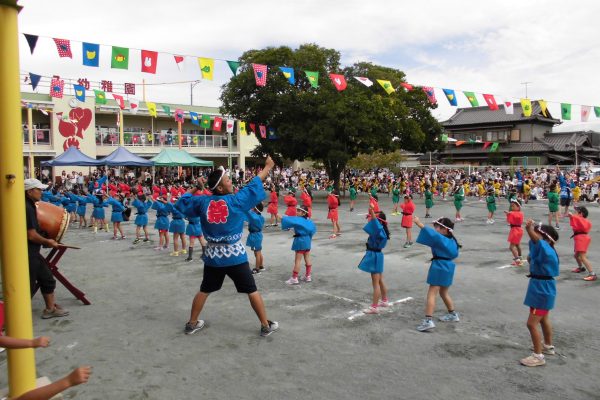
[{"x": 178, "y": 158}]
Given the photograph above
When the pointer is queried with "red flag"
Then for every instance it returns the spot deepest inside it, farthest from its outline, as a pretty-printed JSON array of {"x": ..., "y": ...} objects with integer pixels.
[
  {"x": 491, "y": 102},
  {"x": 407, "y": 86},
  {"x": 218, "y": 122},
  {"x": 486, "y": 145},
  {"x": 149, "y": 59},
  {"x": 64, "y": 47},
  {"x": 119, "y": 100},
  {"x": 260, "y": 74},
  {"x": 460, "y": 142},
  {"x": 338, "y": 81},
  {"x": 179, "y": 62},
  {"x": 430, "y": 94},
  {"x": 252, "y": 127},
  {"x": 263, "y": 131},
  {"x": 56, "y": 88}
]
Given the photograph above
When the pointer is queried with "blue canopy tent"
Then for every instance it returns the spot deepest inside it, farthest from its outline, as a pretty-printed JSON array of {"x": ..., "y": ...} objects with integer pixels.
[
  {"x": 123, "y": 157},
  {"x": 74, "y": 157}
]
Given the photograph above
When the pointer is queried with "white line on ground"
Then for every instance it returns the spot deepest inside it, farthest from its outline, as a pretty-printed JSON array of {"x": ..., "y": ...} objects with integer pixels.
[
  {"x": 338, "y": 297},
  {"x": 356, "y": 314},
  {"x": 505, "y": 266}
]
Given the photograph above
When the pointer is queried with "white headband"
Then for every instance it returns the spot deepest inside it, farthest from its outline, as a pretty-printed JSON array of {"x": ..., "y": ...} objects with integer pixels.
[
  {"x": 539, "y": 229},
  {"x": 437, "y": 222},
  {"x": 219, "y": 181}
]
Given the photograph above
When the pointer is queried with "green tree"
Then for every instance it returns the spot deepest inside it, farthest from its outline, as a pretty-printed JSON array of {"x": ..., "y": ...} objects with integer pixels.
[
  {"x": 323, "y": 124},
  {"x": 377, "y": 159}
]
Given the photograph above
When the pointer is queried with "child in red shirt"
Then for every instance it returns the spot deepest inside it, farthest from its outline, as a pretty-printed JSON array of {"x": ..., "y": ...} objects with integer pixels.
[
  {"x": 515, "y": 218},
  {"x": 333, "y": 202},
  {"x": 581, "y": 229},
  {"x": 291, "y": 203},
  {"x": 408, "y": 208}
]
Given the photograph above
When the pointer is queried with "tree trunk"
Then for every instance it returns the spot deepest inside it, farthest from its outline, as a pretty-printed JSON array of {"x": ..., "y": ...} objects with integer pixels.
[{"x": 333, "y": 169}]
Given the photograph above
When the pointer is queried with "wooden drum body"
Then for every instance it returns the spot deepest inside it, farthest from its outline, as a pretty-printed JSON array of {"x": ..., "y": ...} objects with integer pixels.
[{"x": 53, "y": 220}]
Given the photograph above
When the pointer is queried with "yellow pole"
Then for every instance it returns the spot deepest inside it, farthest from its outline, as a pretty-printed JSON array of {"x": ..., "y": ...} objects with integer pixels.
[
  {"x": 30, "y": 135},
  {"x": 13, "y": 243},
  {"x": 121, "y": 138}
]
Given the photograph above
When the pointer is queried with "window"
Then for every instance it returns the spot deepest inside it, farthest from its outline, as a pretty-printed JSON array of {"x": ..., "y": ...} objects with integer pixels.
[{"x": 515, "y": 135}]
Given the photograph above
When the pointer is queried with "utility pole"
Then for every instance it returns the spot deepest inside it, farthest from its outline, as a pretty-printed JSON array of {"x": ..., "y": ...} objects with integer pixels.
[
  {"x": 192, "y": 85},
  {"x": 526, "y": 84}
]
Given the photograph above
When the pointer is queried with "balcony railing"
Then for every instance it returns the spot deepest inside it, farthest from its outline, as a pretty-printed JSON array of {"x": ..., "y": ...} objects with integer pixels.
[
  {"x": 111, "y": 138},
  {"x": 40, "y": 137}
]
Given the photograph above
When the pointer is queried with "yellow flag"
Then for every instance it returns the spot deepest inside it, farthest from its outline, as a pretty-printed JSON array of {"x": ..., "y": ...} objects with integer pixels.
[
  {"x": 387, "y": 86},
  {"x": 151, "y": 109},
  {"x": 195, "y": 139},
  {"x": 526, "y": 105},
  {"x": 543, "y": 106},
  {"x": 242, "y": 127},
  {"x": 207, "y": 65},
  {"x": 150, "y": 137}
]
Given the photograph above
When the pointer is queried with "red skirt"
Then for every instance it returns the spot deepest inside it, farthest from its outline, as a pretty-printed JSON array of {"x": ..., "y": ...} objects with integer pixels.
[
  {"x": 582, "y": 242},
  {"x": 333, "y": 214},
  {"x": 515, "y": 235},
  {"x": 407, "y": 221},
  {"x": 272, "y": 208},
  {"x": 291, "y": 211}
]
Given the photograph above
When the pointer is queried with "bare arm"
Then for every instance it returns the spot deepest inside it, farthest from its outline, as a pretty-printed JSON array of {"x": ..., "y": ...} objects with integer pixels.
[
  {"x": 35, "y": 237},
  {"x": 530, "y": 227},
  {"x": 269, "y": 163},
  {"x": 17, "y": 343},
  {"x": 76, "y": 377},
  {"x": 418, "y": 222}
]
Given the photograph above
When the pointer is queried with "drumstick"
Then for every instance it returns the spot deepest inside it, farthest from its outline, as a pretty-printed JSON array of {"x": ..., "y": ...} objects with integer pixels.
[{"x": 68, "y": 246}]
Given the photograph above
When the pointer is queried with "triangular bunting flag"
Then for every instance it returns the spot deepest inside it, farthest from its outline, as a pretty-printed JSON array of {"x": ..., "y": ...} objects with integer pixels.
[
  {"x": 217, "y": 124},
  {"x": 34, "y": 79},
  {"x": 166, "y": 109},
  {"x": 313, "y": 78},
  {"x": 233, "y": 66},
  {"x": 149, "y": 61},
  {"x": 260, "y": 74},
  {"x": 229, "y": 125},
  {"x": 451, "y": 96},
  {"x": 526, "y": 106},
  {"x": 565, "y": 110},
  {"x": 585, "y": 113},
  {"x": 90, "y": 54},
  {"x": 430, "y": 94},
  {"x": 263, "y": 131},
  {"x": 205, "y": 122},
  {"x": 31, "y": 41},
  {"x": 486, "y": 145},
  {"x": 119, "y": 58},
  {"x": 272, "y": 135},
  {"x": 407, "y": 86},
  {"x": 472, "y": 99},
  {"x": 494, "y": 147},
  {"x": 509, "y": 107},
  {"x": 386, "y": 85},
  {"x": 339, "y": 81},
  {"x": 56, "y": 88},
  {"x": 544, "y": 106},
  {"x": 134, "y": 105},
  {"x": 242, "y": 127},
  {"x": 252, "y": 127},
  {"x": 179, "y": 62},
  {"x": 491, "y": 101},
  {"x": 100, "y": 96},
  {"x": 459, "y": 142},
  {"x": 289, "y": 74},
  {"x": 195, "y": 118},
  {"x": 151, "y": 109},
  {"x": 64, "y": 48},
  {"x": 207, "y": 65},
  {"x": 79, "y": 92},
  {"x": 365, "y": 81},
  {"x": 119, "y": 100},
  {"x": 179, "y": 115},
  {"x": 444, "y": 137},
  {"x": 597, "y": 111}
]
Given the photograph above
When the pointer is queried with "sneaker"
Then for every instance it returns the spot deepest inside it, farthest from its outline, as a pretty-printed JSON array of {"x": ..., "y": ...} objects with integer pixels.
[
  {"x": 56, "y": 313},
  {"x": 333, "y": 236},
  {"x": 426, "y": 325},
  {"x": 122, "y": 238},
  {"x": 383, "y": 303},
  {"x": 184, "y": 251},
  {"x": 188, "y": 259},
  {"x": 190, "y": 328},
  {"x": 95, "y": 229},
  {"x": 557, "y": 228},
  {"x": 137, "y": 240},
  {"x": 174, "y": 254},
  {"x": 113, "y": 238},
  {"x": 267, "y": 330},
  {"x": 546, "y": 349},
  {"x": 292, "y": 281},
  {"x": 146, "y": 240},
  {"x": 306, "y": 278},
  {"x": 450, "y": 317},
  {"x": 590, "y": 278},
  {"x": 371, "y": 310},
  {"x": 157, "y": 248},
  {"x": 406, "y": 245},
  {"x": 578, "y": 269},
  {"x": 492, "y": 221},
  {"x": 517, "y": 263},
  {"x": 255, "y": 271},
  {"x": 533, "y": 361}
]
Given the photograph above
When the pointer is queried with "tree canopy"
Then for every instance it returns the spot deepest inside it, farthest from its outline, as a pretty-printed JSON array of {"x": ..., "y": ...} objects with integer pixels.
[{"x": 321, "y": 123}]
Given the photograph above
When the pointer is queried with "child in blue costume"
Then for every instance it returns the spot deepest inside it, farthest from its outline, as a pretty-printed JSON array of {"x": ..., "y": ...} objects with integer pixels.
[
  {"x": 541, "y": 291},
  {"x": 162, "y": 222},
  {"x": 82, "y": 202},
  {"x": 194, "y": 231},
  {"x": 141, "y": 219},
  {"x": 222, "y": 218},
  {"x": 372, "y": 261},
  {"x": 304, "y": 229},
  {"x": 444, "y": 248},
  {"x": 117, "y": 214},
  {"x": 177, "y": 228},
  {"x": 70, "y": 205},
  {"x": 255, "y": 236},
  {"x": 98, "y": 203}
]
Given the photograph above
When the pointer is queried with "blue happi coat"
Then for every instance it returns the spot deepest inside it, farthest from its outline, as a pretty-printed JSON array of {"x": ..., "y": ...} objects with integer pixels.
[
  {"x": 222, "y": 219},
  {"x": 141, "y": 218},
  {"x": 304, "y": 229},
  {"x": 177, "y": 223},
  {"x": 372, "y": 261},
  {"x": 162, "y": 216},
  {"x": 98, "y": 212},
  {"x": 541, "y": 293},
  {"x": 255, "y": 225},
  {"x": 444, "y": 250},
  {"x": 117, "y": 209}
]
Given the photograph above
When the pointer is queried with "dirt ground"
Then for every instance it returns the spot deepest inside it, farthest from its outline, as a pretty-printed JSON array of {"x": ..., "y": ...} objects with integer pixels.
[{"x": 132, "y": 334}]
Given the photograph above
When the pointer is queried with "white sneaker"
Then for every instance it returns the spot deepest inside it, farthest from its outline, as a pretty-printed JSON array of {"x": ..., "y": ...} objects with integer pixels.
[
  {"x": 292, "y": 281},
  {"x": 426, "y": 325},
  {"x": 371, "y": 310},
  {"x": 533, "y": 361},
  {"x": 306, "y": 278},
  {"x": 383, "y": 303}
]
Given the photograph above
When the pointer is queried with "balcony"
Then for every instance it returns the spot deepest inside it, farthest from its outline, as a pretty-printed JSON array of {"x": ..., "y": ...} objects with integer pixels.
[{"x": 110, "y": 137}]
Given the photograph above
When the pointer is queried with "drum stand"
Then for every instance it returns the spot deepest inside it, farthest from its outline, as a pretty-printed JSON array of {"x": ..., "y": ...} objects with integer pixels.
[{"x": 52, "y": 259}]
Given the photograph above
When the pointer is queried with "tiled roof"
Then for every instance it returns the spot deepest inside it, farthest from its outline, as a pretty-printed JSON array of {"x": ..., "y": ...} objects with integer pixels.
[{"x": 483, "y": 115}]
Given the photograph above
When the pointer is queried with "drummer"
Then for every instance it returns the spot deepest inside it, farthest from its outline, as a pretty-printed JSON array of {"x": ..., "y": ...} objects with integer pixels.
[{"x": 39, "y": 273}]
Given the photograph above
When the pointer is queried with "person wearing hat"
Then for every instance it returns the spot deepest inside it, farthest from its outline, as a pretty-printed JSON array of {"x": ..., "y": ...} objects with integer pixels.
[
  {"x": 39, "y": 273},
  {"x": 581, "y": 229},
  {"x": 304, "y": 230},
  {"x": 515, "y": 218}
]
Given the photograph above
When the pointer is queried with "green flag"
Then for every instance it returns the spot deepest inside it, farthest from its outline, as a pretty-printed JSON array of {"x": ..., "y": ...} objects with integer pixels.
[
  {"x": 205, "y": 122},
  {"x": 444, "y": 138},
  {"x": 313, "y": 78},
  {"x": 100, "y": 96},
  {"x": 494, "y": 147},
  {"x": 472, "y": 99},
  {"x": 120, "y": 58},
  {"x": 565, "y": 110},
  {"x": 597, "y": 111},
  {"x": 166, "y": 109},
  {"x": 233, "y": 65}
]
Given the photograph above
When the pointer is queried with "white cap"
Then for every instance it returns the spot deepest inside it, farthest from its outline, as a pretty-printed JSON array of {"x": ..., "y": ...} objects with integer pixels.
[{"x": 34, "y": 184}]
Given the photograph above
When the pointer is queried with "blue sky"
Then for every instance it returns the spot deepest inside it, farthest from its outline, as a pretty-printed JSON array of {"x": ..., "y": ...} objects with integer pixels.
[{"x": 486, "y": 47}]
